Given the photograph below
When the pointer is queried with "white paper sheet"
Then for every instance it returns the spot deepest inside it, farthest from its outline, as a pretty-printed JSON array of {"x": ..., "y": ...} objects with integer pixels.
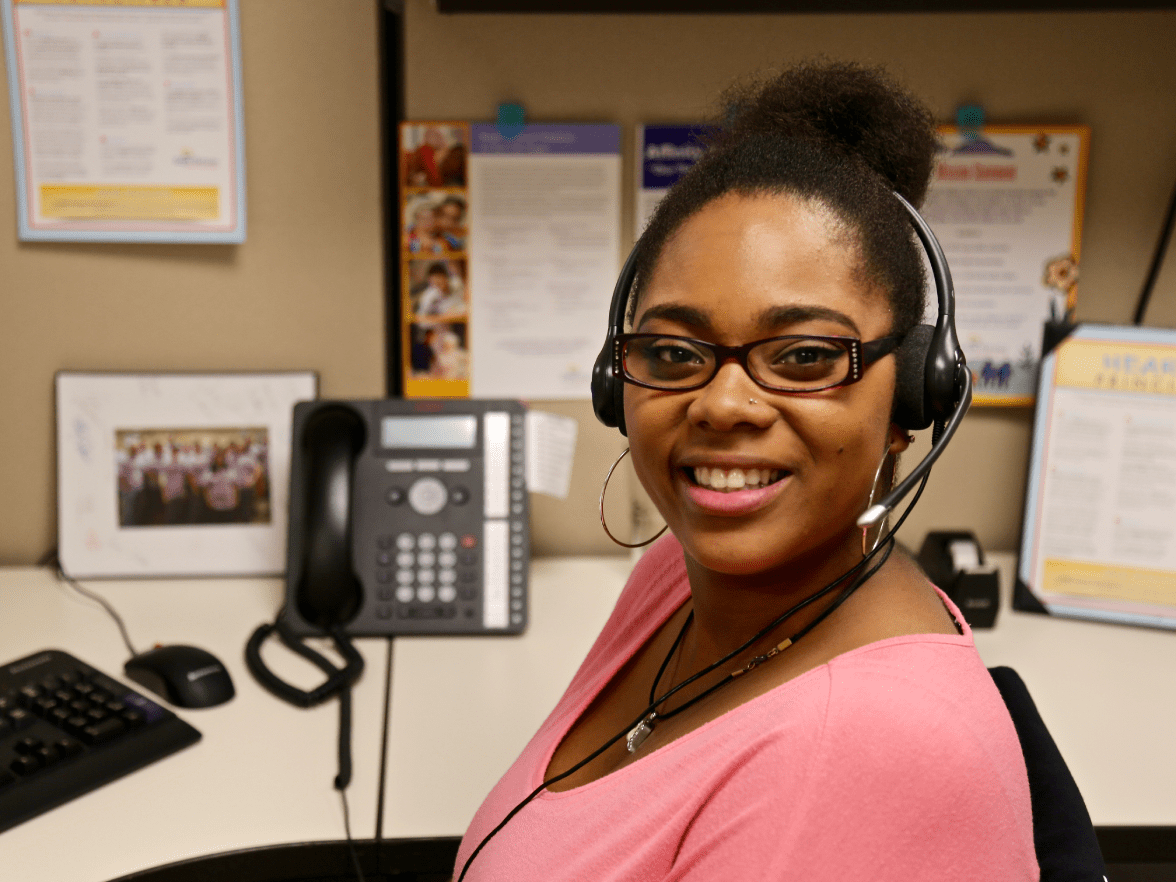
[
  {"x": 544, "y": 254},
  {"x": 551, "y": 450}
]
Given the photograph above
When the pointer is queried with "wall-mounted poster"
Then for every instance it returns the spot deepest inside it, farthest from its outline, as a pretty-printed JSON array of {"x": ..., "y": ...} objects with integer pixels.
[
  {"x": 1006, "y": 204},
  {"x": 665, "y": 153},
  {"x": 126, "y": 120}
]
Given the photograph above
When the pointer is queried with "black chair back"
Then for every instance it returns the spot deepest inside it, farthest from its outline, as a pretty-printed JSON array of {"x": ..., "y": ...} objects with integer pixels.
[{"x": 1063, "y": 835}]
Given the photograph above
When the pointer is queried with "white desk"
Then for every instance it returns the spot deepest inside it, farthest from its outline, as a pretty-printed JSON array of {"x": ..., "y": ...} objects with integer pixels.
[
  {"x": 461, "y": 710},
  {"x": 1108, "y": 694},
  {"x": 262, "y": 772}
]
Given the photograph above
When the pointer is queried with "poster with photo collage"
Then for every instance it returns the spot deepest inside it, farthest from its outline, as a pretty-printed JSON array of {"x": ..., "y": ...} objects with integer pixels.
[{"x": 434, "y": 265}]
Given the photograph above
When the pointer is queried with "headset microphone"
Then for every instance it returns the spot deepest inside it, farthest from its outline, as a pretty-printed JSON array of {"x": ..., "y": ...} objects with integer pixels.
[{"x": 876, "y": 513}]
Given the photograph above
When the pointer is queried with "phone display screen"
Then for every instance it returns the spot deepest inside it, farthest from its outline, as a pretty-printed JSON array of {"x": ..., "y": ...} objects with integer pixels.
[{"x": 457, "y": 431}]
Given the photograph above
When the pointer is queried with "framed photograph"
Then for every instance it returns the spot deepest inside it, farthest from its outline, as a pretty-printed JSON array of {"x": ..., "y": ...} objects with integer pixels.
[{"x": 175, "y": 474}]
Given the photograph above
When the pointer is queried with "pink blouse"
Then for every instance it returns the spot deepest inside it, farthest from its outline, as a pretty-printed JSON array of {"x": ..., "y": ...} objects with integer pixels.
[{"x": 895, "y": 761}]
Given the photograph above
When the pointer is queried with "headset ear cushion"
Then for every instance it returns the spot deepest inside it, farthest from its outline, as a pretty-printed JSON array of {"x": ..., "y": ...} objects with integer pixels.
[
  {"x": 910, "y": 390},
  {"x": 606, "y": 402}
]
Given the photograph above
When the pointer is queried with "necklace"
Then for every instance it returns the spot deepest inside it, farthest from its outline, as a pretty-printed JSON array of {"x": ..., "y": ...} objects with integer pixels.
[{"x": 645, "y": 726}]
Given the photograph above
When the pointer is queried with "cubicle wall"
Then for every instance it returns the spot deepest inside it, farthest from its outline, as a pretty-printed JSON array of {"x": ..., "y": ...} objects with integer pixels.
[{"x": 306, "y": 289}]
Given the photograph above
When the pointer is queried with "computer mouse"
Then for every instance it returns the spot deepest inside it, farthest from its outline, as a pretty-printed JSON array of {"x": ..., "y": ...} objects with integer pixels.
[{"x": 183, "y": 675}]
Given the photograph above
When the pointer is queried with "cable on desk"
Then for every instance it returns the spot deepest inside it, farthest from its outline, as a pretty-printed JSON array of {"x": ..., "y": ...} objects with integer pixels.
[
  {"x": 385, "y": 733},
  {"x": 50, "y": 558},
  {"x": 347, "y": 829}
]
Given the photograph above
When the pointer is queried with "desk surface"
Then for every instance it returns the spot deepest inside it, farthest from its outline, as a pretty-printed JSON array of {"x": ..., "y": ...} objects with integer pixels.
[{"x": 461, "y": 710}]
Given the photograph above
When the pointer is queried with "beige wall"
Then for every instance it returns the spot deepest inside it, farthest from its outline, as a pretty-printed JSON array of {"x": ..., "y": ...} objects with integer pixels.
[
  {"x": 306, "y": 288},
  {"x": 304, "y": 291}
]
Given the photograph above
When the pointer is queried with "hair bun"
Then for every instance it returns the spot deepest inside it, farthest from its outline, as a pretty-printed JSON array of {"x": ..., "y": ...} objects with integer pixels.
[{"x": 844, "y": 108}]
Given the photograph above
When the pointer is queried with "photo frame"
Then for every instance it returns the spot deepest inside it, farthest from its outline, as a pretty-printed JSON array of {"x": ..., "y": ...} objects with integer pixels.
[{"x": 175, "y": 474}]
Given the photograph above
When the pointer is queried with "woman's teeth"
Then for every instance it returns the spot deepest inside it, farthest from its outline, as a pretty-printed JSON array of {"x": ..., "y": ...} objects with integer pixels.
[{"x": 734, "y": 479}]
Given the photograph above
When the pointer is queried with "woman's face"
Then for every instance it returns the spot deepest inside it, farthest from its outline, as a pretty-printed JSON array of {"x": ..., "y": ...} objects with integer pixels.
[{"x": 743, "y": 269}]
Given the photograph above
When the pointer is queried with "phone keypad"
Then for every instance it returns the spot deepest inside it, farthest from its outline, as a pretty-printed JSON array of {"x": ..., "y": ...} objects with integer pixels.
[{"x": 429, "y": 574}]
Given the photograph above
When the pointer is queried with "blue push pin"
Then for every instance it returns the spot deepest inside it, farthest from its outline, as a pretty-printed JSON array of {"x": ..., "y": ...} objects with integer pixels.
[
  {"x": 970, "y": 121},
  {"x": 511, "y": 120}
]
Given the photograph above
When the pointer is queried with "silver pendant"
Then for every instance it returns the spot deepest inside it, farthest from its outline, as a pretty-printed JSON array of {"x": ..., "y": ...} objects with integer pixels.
[{"x": 639, "y": 733}]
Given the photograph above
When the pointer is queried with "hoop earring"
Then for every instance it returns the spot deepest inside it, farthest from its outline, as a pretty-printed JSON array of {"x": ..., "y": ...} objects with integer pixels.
[
  {"x": 887, "y": 485},
  {"x": 607, "y": 531}
]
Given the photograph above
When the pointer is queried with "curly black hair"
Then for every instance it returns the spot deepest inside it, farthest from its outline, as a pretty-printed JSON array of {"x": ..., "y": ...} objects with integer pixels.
[{"x": 840, "y": 134}]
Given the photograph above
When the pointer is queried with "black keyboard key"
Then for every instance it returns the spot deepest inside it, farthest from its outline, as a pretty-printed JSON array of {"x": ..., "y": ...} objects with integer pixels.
[
  {"x": 25, "y": 765},
  {"x": 28, "y": 695},
  {"x": 26, "y": 745},
  {"x": 67, "y": 747},
  {"x": 20, "y": 718},
  {"x": 43, "y": 705},
  {"x": 96, "y": 733}
]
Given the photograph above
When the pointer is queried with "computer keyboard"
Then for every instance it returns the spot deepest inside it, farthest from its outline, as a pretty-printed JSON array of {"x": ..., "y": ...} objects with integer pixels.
[{"x": 67, "y": 728}]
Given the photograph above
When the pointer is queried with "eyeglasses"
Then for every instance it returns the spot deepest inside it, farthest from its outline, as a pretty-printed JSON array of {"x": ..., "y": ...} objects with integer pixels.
[{"x": 792, "y": 363}]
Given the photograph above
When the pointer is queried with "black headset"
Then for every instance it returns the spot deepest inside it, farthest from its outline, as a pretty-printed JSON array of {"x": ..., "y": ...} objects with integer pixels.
[{"x": 933, "y": 383}]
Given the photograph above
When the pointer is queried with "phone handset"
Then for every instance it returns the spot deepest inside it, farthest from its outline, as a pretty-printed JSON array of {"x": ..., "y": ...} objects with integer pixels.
[{"x": 328, "y": 592}]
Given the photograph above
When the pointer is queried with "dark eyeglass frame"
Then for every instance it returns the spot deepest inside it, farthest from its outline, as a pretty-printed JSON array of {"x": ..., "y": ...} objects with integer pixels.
[{"x": 861, "y": 356}]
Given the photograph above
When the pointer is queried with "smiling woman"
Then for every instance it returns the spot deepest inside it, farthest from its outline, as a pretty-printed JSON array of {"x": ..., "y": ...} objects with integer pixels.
[{"x": 770, "y": 699}]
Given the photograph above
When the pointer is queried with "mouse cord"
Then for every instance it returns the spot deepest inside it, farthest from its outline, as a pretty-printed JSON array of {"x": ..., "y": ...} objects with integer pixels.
[{"x": 51, "y": 559}]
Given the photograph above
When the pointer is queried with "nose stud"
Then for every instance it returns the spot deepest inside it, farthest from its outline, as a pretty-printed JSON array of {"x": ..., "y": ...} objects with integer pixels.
[{"x": 752, "y": 401}]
